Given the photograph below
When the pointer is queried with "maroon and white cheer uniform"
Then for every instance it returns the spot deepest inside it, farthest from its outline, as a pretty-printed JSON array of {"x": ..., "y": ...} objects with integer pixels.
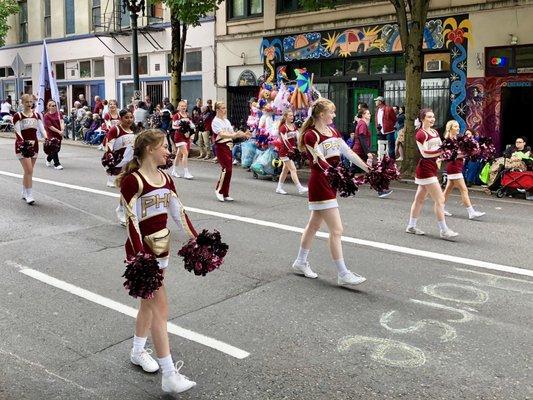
[
  {"x": 179, "y": 138},
  {"x": 147, "y": 206},
  {"x": 454, "y": 169},
  {"x": 120, "y": 142},
  {"x": 288, "y": 140},
  {"x": 324, "y": 151},
  {"x": 428, "y": 143},
  {"x": 26, "y": 128}
]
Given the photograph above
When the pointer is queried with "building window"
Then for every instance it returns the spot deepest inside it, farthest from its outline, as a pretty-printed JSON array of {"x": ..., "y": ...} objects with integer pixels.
[
  {"x": 85, "y": 69},
  {"x": 27, "y": 70},
  {"x": 23, "y": 22},
  {"x": 96, "y": 14},
  {"x": 356, "y": 67},
  {"x": 60, "y": 71},
  {"x": 47, "y": 19},
  {"x": 70, "y": 23},
  {"x": 124, "y": 65},
  {"x": 524, "y": 59},
  {"x": 155, "y": 13},
  {"x": 193, "y": 61},
  {"x": 245, "y": 8},
  {"x": 287, "y": 6},
  {"x": 143, "y": 65},
  {"x": 98, "y": 68},
  {"x": 382, "y": 65}
]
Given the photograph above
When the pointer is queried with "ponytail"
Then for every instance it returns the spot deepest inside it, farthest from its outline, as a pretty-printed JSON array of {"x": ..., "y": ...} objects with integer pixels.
[
  {"x": 310, "y": 121},
  {"x": 133, "y": 165}
]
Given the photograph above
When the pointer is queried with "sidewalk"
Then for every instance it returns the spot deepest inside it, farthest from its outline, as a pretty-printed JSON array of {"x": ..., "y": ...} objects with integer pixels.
[{"x": 194, "y": 152}]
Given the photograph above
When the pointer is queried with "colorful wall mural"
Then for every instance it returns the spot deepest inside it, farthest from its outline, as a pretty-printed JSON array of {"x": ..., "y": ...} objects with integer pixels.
[
  {"x": 484, "y": 103},
  {"x": 444, "y": 33}
]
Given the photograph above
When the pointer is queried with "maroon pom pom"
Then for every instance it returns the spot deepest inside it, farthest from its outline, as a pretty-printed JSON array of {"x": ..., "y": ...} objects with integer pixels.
[
  {"x": 342, "y": 179},
  {"x": 487, "y": 151},
  {"x": 468, "y": 146},
  {"x": 168, "y": 164},
  {"x": 185, "y": 127},
  {"x": 380, "y": 176},
  {"x": 143, "y": 276},
  {"x": 204, "y": 253},
  {"x": 110, "y": 160},
  {"x": 26, "y": 149},
  {"x": 450, "y": 149},
  {"x": 52, "y": 146}
]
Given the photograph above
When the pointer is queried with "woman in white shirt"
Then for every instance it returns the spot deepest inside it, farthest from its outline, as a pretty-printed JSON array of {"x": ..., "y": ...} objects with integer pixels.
[{"x": 224, "y": 135}]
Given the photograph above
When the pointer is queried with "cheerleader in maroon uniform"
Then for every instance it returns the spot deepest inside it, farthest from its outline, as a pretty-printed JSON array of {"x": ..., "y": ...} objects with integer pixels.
[
  {"x": 27, "y": 123},
  {"x": 111, "y": 118},
  {"x": 119, "y": 142},
  {"x": 324, "y": 146},
  {"x": 223, "y": 135},
  {"x": 54, "y": 125},
  {"x": 182, "y": 141},
  {"x": 454, "y": 171},
  {"x": 288, "y": 134},
  {"x": 429, "y": 143},
  {"x": 149, "y": 195}
]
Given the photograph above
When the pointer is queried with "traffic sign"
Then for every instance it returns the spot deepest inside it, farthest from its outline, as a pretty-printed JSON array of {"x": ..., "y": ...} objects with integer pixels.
[{"x": 18, "y": 66}]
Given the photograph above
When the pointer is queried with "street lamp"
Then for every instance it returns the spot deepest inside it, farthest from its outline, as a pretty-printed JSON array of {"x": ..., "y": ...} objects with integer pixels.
[{"x": 134, "y": 7}]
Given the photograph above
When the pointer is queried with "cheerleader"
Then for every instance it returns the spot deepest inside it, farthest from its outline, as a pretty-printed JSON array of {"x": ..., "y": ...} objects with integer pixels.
[
  {"x": 119, "y": 142},
  {"x": 149, "y": 195},
  {"x": 26, "y": 124},
  {"x": 288, "y": 133},
  {"x": 224, "y": 135},
  {"x": 324, "y": 146},
  {"x": 55, "y": 126},
  {"x": 181, "y": 140},
  {"x": 454, "y": 171},
  {"x": 429, "y": 143},
  {"x": 111, "y": 118}
]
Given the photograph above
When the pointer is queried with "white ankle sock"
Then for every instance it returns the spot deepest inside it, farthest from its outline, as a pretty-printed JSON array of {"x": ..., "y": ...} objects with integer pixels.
[
  {"x": 470, "y": 210},
  {"x": 442, "y": 225},
  {"x": 412, "y": 222},
  {"x": 23, "y": 191},
  {"x": 167, "y": 365},
  {"x": 341, "y": 267},
  {"x": 28, "y": 192},
  {"x": 138, "y": 344},
  {"x": 302, "y": 255},
  {"x": 280, "y": 185}
]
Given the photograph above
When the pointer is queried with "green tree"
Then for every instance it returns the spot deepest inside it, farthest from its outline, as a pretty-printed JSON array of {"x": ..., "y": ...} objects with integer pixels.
[
  {"x": 411, "y": 16},
  {"x": 183, "y": 14},
  {"x": 7, "y": 8}
]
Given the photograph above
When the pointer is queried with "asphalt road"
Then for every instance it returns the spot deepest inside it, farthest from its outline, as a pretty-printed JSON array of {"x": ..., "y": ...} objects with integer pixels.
[{"x": 435, "y": 320}]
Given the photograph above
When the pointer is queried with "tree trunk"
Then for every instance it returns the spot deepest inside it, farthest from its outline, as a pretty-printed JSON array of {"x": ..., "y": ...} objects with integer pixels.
[{"x": 176, "y": 57}]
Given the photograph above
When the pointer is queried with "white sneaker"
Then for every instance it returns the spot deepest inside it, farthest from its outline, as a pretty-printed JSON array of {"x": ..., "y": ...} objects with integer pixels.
[
  {"x": 350, "y": 279},
  {"x": 447, "y": 214},
  {"x": 228, "y": 198},
  {"x": 235, "y": 162},
  {"x": 414, "y": 230},
  {"x": 58, "y": 167},
  {"x": 48, "y": 163},
  {"x": 110, "y": 181},
  {"x": 176, "y": 382},
  {"x": 187, "y": 175},
  {"x": 476, "y": 214},
  {"x": 303, "y": 190},
  {"x": 120, "y": 215},
  {"x": 144, "y": 360},
  {"x": 280, "y": 191},
  {"x": 101, "y": 147},
  {"x": 304, "y": 269},
  {"x": 448, "y": 234},
  {"x": 175, "y": 174},
  {"x": 219, "y": 196},
  {"x": 29, "y": 199}
]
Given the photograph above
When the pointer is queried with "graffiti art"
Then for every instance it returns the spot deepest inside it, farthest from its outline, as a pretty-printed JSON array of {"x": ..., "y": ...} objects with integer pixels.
[{"x": 304, "y": 46}]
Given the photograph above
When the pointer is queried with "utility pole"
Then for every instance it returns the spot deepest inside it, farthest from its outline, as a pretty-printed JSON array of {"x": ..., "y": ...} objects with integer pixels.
[{"x": 134, "y": 7}]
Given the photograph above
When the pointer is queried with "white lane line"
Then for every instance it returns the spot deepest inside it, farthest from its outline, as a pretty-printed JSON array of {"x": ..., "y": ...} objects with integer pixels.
[
  {"x": 130, "y": 311},
  {"x": 347, "y": 239}
]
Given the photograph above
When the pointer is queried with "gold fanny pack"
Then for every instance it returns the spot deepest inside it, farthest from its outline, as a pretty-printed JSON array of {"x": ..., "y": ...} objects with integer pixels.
[{"x": 159, "y": 242}]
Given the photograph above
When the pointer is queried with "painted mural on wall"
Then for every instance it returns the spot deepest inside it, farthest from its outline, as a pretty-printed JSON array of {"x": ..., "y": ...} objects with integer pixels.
[{"x": 484, "y": 104}]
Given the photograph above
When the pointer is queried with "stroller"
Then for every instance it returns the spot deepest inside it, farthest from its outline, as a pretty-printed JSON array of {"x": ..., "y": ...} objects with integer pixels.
[
  {"x": 6, "y": 124},
  {"x": 514, "y": 180}
]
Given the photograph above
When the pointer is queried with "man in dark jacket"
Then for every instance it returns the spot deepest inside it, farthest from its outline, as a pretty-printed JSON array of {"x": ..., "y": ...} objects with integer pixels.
[{"x": 385, "y": 122}]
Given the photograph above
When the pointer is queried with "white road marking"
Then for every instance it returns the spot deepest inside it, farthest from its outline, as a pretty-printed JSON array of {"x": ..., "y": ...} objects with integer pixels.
[
  {"x": 290, "y": 228},
  {"x": 130, "y": 311}
]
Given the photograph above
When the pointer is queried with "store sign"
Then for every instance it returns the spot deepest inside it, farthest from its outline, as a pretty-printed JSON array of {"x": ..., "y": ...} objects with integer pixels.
[
  {"x": 247, "y": 78},
  {"x": 499, "y": 61},
  {"x": 244, "y": 75}
]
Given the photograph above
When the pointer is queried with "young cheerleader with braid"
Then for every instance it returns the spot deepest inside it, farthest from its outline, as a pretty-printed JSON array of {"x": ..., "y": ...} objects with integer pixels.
[
  {"x": 27, "y": 123},
  {"x": 429, "y": 143},
  {"x": 148, "y": 196},
  {"x": 182, "y": 141},
  {"x": 454, "y": 170},
  {"x": 324, "y": 146},
  {"x": 288, "y": 134}
]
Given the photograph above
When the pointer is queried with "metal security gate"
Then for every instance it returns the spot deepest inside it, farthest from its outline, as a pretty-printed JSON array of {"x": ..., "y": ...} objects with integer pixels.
[
  {"x": 155, "y": 91},
  {"x": 238, "y": 103},
  {"x": 435, "y": 95}
]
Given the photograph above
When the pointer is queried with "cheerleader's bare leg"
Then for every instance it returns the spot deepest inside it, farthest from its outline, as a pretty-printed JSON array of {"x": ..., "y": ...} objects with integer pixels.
[
  {"x": 416, "y": 210},
  {"x": 472, "y": 214},
  {"x": 436, "y": 194},
  {"x": 185, "y": 162},
  {"x": 447, "y": 191},
  {"x": 282, "y": 178},
  {"x": 301, "y": 265},
  {"x": 27, "y": 179},
  {"x": 332, "y": 217}
]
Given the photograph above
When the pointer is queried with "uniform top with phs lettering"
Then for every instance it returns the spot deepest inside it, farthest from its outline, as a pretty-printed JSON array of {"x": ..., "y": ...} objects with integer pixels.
[{"x": 147, "y": 206}]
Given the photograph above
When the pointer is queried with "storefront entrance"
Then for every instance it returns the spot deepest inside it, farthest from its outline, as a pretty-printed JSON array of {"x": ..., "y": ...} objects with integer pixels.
[
  {"x": 367, "y": 95},
  {"x": 516, "y": 103}
]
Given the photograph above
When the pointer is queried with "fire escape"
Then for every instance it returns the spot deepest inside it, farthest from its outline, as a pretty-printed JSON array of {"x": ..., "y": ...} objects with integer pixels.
[{"x": 114, "y": 23}]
